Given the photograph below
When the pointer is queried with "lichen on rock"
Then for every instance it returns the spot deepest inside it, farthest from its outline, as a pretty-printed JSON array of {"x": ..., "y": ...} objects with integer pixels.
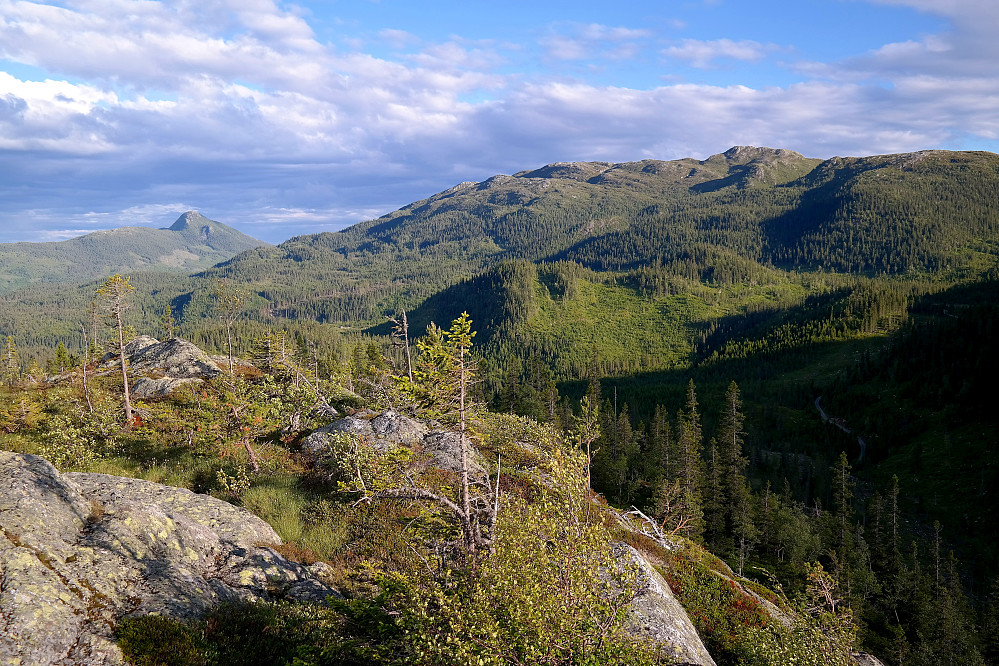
[{"x": 78, "y": 552}]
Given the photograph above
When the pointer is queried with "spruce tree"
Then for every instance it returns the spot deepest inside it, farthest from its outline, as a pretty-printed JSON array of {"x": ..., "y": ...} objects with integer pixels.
[
  {"x": 714, "y": 501},
  {"x": 11, "y": 368},
  {"x": 691, "y": 464}
]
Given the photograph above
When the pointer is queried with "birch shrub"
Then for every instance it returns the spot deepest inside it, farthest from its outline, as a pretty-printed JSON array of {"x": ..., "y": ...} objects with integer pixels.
[{"x": 550, "y": 591}]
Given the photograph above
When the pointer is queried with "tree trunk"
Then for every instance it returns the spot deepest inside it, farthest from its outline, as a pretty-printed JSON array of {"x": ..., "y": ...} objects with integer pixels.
[
  {"x": 228, "y": 335},
  {"x": 86, "y": 360},
  {"x": 405, "y": 340},
  {"x": 124, "y": 371},
  {"x": 466, "y": 500},
  {"x": 253, "y": 455}
]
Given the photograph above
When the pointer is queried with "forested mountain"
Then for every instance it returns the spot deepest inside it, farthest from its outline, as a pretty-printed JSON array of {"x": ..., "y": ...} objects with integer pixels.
[
  {"x": 851, "y": 300},
  {"x": 748, "y": 230},
  {"x": 719, "y": 220},
  {"x": 190, "y": 244}
]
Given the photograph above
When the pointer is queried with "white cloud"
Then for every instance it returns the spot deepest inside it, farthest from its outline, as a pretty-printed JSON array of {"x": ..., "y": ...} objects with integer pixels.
[
  {"x": 700, "y": 53},
  {"x": 398, "y": 39},
  {"x": 53, "y": 116},
  {"x": 593, "y": 41}
]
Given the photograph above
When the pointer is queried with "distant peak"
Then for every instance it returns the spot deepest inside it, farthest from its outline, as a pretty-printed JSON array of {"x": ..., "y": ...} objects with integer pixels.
[
  {"x": 190, "y": 219},
  {"x": 754, "y": 152}
]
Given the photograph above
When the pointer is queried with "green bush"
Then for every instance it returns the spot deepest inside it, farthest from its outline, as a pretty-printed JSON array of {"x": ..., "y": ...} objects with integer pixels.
[{"x": 154, "y": 640}]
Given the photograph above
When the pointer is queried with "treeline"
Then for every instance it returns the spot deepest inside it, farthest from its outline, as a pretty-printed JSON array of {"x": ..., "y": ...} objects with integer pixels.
[{"x": 907, "y": 592}]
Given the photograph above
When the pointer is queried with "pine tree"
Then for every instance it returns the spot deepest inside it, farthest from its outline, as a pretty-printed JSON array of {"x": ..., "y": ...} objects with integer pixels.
[
  {"x": 843, "y": 484},
  {"x": 168, "y": 324},
  {"x": 400, "y": 338},
  {"x": 744, "y": 530},
  {"x": 738, "y": 498},
  {"x": 893, "y": 518},
  {"x": 714, "y": 501},
  {"x": 660, "y": 446},
  {"x": 229, "y": 304},
  {"x": 62, "y": 362},
  {"x": 442, "y": 381},
  {"x": 624, "y": 448}
]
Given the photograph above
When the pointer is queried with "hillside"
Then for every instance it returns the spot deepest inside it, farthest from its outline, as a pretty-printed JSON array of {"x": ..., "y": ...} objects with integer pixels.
[
  {"x": 718, "y": 220},
  {"x": 191, "y": 243},
  {"x": 745, "y": 230},
  {"x": 118, "y": 561}
]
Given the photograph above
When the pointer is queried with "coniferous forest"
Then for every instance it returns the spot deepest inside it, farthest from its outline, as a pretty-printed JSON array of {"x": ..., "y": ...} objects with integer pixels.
[{"x": 782, "y": 363}]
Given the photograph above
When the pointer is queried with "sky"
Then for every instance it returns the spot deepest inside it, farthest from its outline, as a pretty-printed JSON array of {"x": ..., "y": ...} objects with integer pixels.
[{"x": 289, "y": 118}]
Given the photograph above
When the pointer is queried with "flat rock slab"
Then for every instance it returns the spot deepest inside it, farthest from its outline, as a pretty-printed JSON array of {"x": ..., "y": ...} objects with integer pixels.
[{"x": 80, "y": 551}]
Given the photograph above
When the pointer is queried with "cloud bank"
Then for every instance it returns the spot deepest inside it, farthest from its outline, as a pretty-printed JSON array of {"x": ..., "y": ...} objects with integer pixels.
[{"x": 130, "y": 111}]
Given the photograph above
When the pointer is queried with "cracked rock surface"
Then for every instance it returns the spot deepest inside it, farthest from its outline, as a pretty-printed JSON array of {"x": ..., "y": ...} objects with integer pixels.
[
  {"x": 160, "y": 368},
  {"x": 657, "y": 615},
  {"x": 78, "y": 552}
]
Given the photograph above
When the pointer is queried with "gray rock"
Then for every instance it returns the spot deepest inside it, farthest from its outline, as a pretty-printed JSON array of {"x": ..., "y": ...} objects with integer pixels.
[
  {"x": 443, "y": 448},
  {"x": 132, "y": 347},
  {"x": 176, "y": 358},
  {"x": 383, "y": 431},
  {"x": 398, "y": 429},
  {"x": 390, "y": 429},
  {"x": 317, "y": 443},
  {"x": 866, "y": 659},
  {"x": 160, "y": 368},
  {"x": 656, "y": 614},
  {"x": 137, "y": 344},
  {"x": 80, "y": 551}
]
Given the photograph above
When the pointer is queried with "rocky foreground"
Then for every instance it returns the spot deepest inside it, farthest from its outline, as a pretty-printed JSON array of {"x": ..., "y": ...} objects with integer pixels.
[{"x": 78, "y": 552}]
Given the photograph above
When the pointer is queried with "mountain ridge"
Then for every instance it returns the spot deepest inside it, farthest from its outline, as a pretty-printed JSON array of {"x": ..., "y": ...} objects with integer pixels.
[
  {"x": 192, "y": 243},
  {"x": 765, "y": 206}
]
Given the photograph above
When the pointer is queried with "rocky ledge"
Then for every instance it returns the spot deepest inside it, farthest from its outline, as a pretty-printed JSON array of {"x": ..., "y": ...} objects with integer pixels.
[{"x": 78, "y": 552}]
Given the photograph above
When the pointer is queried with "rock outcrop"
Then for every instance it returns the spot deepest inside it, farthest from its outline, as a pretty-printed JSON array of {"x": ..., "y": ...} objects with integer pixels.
[
  {"x": 383, "y": 431},
  {"x": 656, "y": 614},
  {"x": 442, "y": 448},
  {"x": 160, "y": 368},
  {"x": 80, "y": 551}
]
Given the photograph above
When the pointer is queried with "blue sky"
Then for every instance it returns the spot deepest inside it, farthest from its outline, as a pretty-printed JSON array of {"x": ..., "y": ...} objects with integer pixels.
[{"x": 286, "y": 118}]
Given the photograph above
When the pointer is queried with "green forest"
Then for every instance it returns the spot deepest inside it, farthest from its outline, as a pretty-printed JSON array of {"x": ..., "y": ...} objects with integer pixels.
[{"x": 783, "y": 363}]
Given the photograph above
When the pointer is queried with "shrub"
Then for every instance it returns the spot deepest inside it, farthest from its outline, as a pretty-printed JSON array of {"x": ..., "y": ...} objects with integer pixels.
[{"x": 154, "y": 640}]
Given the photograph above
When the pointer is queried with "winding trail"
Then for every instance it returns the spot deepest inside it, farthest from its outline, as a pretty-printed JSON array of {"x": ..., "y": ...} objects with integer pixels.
[{"x": 841, "y": 424}]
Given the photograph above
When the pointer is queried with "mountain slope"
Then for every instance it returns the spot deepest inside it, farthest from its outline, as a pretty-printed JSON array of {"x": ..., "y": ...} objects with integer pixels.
[
  {"x": 190, "y": 244},
  {"x": 724, "y": 220}
]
